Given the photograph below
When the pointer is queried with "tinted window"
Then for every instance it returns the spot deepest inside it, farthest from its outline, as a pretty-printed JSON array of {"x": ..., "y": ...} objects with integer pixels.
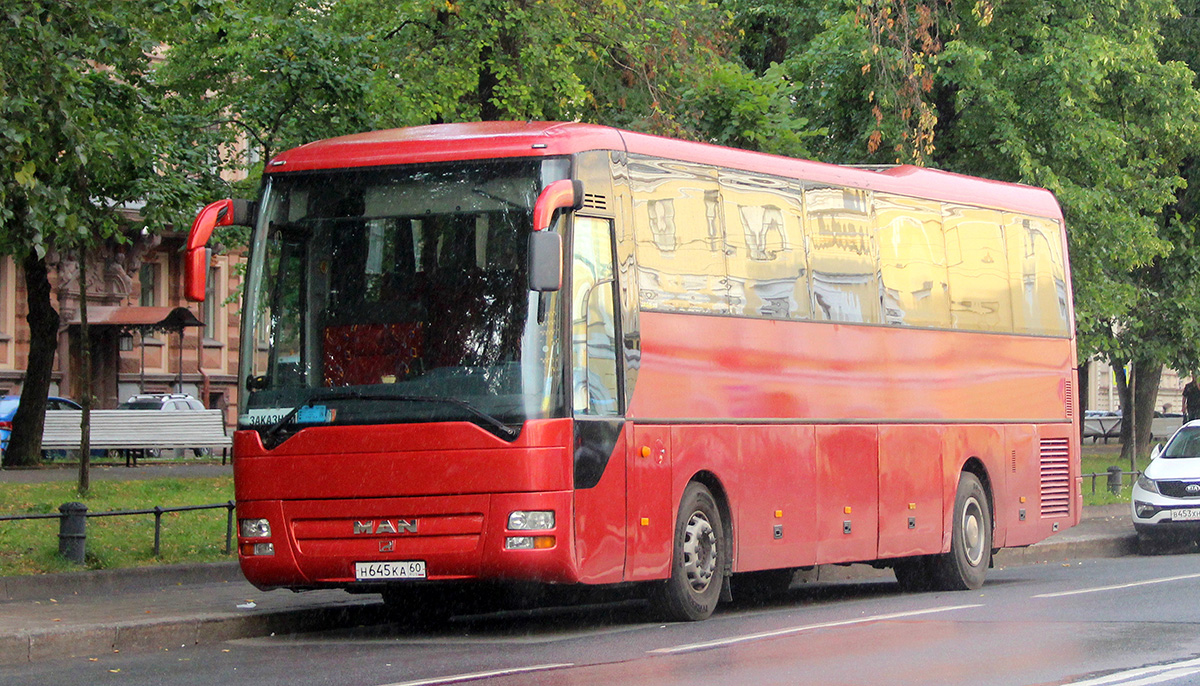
[
  {"x": 977, "y": 256},
  {"x": 680, "y": 240},
  {"x": 842, "y": 255},
  {"x": 1186, "y": 443},
  {"x": 1038, "y": 275},
  {"x": 912, "y": 261},
  {"x": 768, "y": 274}
]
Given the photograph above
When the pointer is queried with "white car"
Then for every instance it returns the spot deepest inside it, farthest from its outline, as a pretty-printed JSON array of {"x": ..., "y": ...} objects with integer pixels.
[{"x": 1166, "y": 498}]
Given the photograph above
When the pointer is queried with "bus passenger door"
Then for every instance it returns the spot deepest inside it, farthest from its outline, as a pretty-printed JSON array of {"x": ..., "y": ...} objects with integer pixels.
[{"x": 597, "y": 406}]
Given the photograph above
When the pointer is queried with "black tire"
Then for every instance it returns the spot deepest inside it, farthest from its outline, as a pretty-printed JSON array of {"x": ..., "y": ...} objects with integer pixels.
[
  {"x": 965, "y": 566},
  {"x": 697, "y": 561}
]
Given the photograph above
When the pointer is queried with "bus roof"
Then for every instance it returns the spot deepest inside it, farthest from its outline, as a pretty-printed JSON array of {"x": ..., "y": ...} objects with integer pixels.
[{"x": 481, "y": 140}]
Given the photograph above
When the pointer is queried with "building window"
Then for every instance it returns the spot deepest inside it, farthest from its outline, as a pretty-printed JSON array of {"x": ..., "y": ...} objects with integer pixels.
[{"x": 148, "y": 276}]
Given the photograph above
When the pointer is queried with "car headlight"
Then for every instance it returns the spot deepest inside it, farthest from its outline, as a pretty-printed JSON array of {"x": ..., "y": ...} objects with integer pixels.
[
  {"x": 536, "y": 520},
  {"x": 1147, "y": 484},
  {"x": 1144, "y": 510}
]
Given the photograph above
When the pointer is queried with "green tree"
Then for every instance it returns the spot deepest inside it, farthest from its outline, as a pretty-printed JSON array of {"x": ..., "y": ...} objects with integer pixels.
[
  {"x": 78, "y": 140},
  {"x": 280, "y": 73}
]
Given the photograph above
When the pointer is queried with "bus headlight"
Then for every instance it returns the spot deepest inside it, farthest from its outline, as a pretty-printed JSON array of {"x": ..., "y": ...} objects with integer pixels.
[
  {"x": 254, "y": 528},
  {"x": 535, "y": 520}
]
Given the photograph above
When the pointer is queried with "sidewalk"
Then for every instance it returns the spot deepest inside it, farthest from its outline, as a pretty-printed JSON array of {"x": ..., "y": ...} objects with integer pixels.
[{"x": 95, "y": 613}]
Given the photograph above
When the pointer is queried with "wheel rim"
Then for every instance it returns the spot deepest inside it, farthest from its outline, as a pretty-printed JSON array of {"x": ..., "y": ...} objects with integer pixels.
[
  {"x": 973, "y": 532},
  {"x": 699, "y": 552}
]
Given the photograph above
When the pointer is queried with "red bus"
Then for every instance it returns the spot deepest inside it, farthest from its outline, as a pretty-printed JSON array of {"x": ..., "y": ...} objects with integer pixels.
[{"x": 569, "y": 354}]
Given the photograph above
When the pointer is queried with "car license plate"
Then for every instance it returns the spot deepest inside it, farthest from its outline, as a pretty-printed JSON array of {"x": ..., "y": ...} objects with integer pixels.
[
  {"x": 410, "y": 569},
  {"x": 1189, "y": 514}
]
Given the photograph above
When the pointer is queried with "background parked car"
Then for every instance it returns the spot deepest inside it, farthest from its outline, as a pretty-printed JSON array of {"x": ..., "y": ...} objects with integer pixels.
[
  {"x": 164, "y": 401},
  {"x": 1166, "y": 498},
  {"x": 8, "y": 409},
  {"x": 161, "y": 401}
]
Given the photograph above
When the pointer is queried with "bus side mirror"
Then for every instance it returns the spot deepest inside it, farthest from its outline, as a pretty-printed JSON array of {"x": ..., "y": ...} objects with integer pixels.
[
  {"x": 545, "y": 261},
  {"x": 545, "y": 246},
  {"x": 196, "y": 255}
]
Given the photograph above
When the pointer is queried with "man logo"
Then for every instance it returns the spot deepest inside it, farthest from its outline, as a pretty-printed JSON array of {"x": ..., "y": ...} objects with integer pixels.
[
  {"x": 387, "y": 546},
  {"x": 386, "y": 526}
]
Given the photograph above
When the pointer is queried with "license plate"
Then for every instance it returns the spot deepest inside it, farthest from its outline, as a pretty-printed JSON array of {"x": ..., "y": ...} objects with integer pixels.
[
  {"x": 411, "y": 569},
  {"x": 1189, "y": 514}
]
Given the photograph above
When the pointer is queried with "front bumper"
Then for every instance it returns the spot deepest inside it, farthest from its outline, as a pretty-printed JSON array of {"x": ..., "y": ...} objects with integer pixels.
[
  {"x": 1157, "y": 513},
  {"x": 317, "y": 543}
]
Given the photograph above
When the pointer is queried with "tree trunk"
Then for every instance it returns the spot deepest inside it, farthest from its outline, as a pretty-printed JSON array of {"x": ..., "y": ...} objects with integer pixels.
[
  {"x": 1148, "y": 375},
  {"x": 25, "y": 444}
]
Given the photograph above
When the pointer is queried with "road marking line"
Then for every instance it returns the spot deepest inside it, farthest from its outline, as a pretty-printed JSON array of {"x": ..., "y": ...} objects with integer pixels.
[
  {"x": 1169, "y": 672},
  {"x": 1119, "y": 587},
  {"x": 475, "y": 676},
  {"x": 809, "y": 627}
]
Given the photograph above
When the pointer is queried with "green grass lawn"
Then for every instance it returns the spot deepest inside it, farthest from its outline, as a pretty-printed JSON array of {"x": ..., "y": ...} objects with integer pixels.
[{"x": 31, "y": 546}]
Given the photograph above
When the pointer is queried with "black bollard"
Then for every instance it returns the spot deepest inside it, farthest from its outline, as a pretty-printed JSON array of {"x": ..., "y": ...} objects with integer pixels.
[
  {"x": 72, "y": 531},
  {"x": 1114, "y": 480}
]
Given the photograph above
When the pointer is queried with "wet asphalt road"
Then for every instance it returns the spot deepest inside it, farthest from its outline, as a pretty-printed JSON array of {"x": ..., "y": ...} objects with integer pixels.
[{"x": 1133, "y": 620}]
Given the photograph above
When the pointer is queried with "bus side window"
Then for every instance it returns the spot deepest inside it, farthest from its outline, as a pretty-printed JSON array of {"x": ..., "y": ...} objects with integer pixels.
[
  {"x": 980, "y": 292},
  {"x": 1037, "y": 274},
  {"x": 593, "y": 319},
  {"x": 912, "y": 261},
  {"x": 768, "y": 269},
  {"x": 842, "y": 257}
]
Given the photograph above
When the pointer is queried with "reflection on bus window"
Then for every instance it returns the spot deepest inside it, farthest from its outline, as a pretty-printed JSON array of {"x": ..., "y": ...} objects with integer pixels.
[
  {"x": 912, "y": 261},
  {"x": 680, "y": 241},
  {"x": 841, "y": 255},
  {"x": 980, "y": 298},
  {"x": 1039, "y": 285},
  {"x": 767, "y": 265}
]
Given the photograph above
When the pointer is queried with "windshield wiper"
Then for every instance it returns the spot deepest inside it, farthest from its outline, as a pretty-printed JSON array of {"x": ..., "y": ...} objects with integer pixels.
[{"x": 505, "y": 430}]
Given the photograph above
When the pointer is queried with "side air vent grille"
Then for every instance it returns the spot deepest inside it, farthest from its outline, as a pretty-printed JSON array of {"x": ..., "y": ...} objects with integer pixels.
[
  {"x": 595, "y": 202},
  {"x": 1056, "y": 477},
  {"x": 1070, "y": 399}
]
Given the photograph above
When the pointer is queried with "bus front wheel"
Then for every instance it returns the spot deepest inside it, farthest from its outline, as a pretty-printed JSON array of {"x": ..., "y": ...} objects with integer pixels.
[
  {"x": 965, "y": 566},
  {"x": 692, "y": 591}
]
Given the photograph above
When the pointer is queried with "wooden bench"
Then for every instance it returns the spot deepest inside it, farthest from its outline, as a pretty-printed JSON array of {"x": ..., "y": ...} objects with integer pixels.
[{"x": 136, "y": 431}]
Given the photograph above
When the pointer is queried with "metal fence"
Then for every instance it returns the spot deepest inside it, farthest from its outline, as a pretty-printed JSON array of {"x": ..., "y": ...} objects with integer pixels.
[
  {"x": 1114, "y": 479},
  {"x": 72, "y": 526}
]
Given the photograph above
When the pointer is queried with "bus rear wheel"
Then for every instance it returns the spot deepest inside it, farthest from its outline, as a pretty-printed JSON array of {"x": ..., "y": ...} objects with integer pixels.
[
  {"x": 965, "y": 566},
  {"x": 692, "y": 591}
]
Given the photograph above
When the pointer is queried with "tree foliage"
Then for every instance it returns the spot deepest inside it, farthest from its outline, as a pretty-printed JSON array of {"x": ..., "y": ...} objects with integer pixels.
[
  {"x": 281, "y": 73},
  {"x": 79, "y": 137}
]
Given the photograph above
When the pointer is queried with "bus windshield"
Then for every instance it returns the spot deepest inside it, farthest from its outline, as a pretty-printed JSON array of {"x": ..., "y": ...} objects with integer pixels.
[{"x": 400, "y": 295}]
